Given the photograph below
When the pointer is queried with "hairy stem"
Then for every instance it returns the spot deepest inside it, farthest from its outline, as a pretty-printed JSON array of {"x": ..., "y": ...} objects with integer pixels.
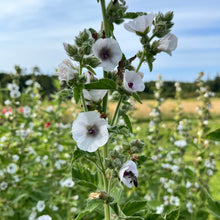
[
  {"x": 140, "y": 62},
  {"x": 115, "y": 116}
]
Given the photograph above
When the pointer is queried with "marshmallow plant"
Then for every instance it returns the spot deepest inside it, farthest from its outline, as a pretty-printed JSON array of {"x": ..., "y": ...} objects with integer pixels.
[{"x": 94, "y": 130}]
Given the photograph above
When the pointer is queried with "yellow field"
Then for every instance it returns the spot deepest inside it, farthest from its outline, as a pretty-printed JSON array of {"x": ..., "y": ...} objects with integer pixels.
[{"x": 189, "y": 107}]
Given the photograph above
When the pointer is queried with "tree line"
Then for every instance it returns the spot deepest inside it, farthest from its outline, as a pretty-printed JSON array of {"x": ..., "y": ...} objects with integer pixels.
[{"x": 49, "y": 85}]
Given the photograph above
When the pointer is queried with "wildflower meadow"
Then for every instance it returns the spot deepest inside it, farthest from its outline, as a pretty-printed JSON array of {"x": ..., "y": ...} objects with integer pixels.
[{"x": 92, "y": 150}]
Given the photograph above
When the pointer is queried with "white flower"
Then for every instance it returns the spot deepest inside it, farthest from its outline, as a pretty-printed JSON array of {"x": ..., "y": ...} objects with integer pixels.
[
  {"x": 44, "y": 217},
  {"x": 58, "y": 163},
  {"x": 3, "y": 185},
  {"x": 180, "y": 143},
  {"x": 7, "y": 102},
  {"x": 188, "y": 184},
  {"x": 15, "y": 157},
  {"x": 32, "y": 216},
  {"x": 175, "y": 168},
  {"x": 11, "y": 168},
  {"x": 140, "y": 24},
  {"x": 133, "y": 82},
  {"x": 94, "y": 95},
  {"x": 26, "y": 111},
  {"x": 73, "y": 209},
  {"x": 66, "y": 71},
  {"x": 67, "y": 183},
  {"x": 174, "y": 200},
  {"x": 76, "y": 197},
  {"x": 210, "y": 172},
  {"x": 189, "y": 207},
  {"x": 40, "y": 206},
  {"x": 108, "y": 51},
  {"x": 128, "y": 174},
  {"x": 159, "y": 209},
  {"x": 13, "y": 87},
  {"x": 15, "y": 94},
  {"x": 90, "y": 131},
  {"x": 29, "y": 82},
  {"x": 168, "y": 43},
  {"x": 49, "y": 109}
]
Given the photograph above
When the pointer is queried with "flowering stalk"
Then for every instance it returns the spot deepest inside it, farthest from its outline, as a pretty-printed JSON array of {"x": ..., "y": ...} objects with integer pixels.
[
  {"x": 82, "y": 95},
  {"x": 105, "y": 104}
]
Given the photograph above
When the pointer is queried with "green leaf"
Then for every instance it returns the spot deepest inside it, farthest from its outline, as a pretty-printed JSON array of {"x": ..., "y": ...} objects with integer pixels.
[
  {"x": 133, "y": 15},
  {"x": 134, "y": 217},
  {"x": 23, "y": 196},
  {"x": 77, "y": 154},
  {"x": 136, "y": 97},
  {"x": 92, "y": 205},
  {"x": 90, "y": 69},
  {"x": 128, "y": 123},
  {"x": 173, "y": 215},
  {"x": 116, "y": 208},
  {"x": 214, "y": 135},
  {"x": 190, "y": 173},
  {"x": 153, "y": 217},
  {"x": 91, "y": 61},
  {"x": 213, "y": 206},
  {"x": 84, "y": 177},
  {"x": 77, "y": 94},
  {"x": 131, "y": 207},
  {"x": 101, "y": 84}
]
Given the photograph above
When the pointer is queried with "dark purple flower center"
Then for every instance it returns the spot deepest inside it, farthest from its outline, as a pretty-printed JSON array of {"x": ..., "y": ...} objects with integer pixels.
[
  {"x": 130, "y": 85},
  {"x": 92, "y": 131},
  {"x": 126, "y": 173},
  {"x": 105, "y": 54}
]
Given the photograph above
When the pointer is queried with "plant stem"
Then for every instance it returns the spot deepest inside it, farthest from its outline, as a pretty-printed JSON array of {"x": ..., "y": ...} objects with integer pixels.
[
  {"x": 105, "y": 107},
  {"x": 104, "y": 17},
  {"x": 84, "y": 103},
  {"x": 117, "y": 110},
  {"x": 82, "y": 96},
  {"x": 140, "y": 62}
]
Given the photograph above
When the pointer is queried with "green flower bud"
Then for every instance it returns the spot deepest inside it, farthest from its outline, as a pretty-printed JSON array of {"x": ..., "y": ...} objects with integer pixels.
[{"x": 169, "y": 16}]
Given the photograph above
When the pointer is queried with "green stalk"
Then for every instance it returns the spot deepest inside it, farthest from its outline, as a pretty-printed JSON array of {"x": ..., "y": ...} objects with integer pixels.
[
  {"x": 105, "y": 107},
  {"x": 104, "y": 17},
  {"x": 140, "y": 62},
  {"x": 117, "y": 110},
  {"x": 82, "y": 96}
]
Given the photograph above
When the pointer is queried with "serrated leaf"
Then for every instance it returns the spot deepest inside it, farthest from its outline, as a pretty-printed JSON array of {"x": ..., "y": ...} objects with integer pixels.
[
  {"x": 101, "y": 84},
  {"x": 173, "y": 215},
  {"x": 128, "y": 123},
  {"x": 214, "y": 135},
  {"x": 91, "y": 206},
  {"x": 136, "y": 97},
  {"x": 84, "y": 177},
  {"x": 213, "y": 206},
  {"x": 131, "y": 207},
  {"x": 77, "y": 154}
]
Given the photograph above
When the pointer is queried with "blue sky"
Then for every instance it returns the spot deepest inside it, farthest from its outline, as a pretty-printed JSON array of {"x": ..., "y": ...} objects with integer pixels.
[{"x": 32, "y": 33}]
